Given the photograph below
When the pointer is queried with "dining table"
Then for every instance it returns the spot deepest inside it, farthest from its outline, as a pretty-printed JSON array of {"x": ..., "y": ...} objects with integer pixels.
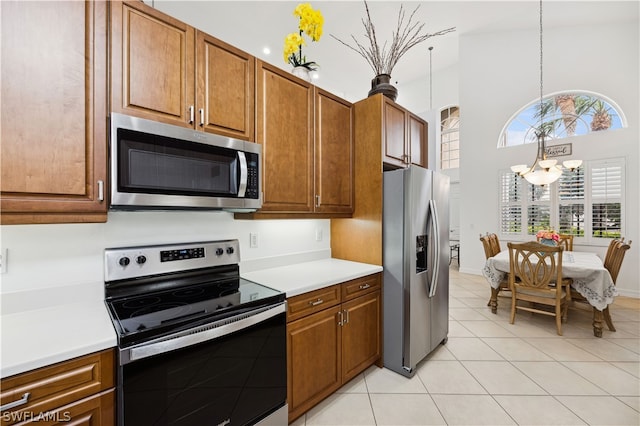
[{"x": 589, "y": 278}]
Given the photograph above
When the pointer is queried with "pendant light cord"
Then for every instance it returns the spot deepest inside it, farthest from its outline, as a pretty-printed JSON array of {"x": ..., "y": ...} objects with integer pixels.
[
  {"x": 542, "y": 132},
  {"x": 430, "y": 79}
]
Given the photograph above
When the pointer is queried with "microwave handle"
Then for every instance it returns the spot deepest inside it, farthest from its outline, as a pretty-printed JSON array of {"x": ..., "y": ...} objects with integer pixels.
[{"x": 242, "y": 187}]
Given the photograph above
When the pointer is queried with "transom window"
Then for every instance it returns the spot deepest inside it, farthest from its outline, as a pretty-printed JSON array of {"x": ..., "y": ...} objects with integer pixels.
[
  {"x": 564, "y": 114},
  {"x": 450, "y": 138},
  {"x": 587, "y": 202}
]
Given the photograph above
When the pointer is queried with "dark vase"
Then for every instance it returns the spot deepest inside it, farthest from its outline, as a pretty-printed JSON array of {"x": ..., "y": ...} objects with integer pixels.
[{"x": 381, "y": 84}]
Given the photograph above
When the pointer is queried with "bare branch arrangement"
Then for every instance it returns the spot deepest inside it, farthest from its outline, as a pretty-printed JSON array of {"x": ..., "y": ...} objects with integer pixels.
[{"x": 404, "y": 38}]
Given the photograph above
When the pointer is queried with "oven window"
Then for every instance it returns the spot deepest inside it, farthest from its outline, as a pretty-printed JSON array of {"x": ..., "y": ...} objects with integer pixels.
[
  {"x": 236, "y": 379},
  {"x": 155, "y": 164}
]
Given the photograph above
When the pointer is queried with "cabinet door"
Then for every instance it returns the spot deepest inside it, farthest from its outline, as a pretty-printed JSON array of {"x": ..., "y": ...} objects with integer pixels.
[
  {"x": 152, "y": 64},
  {"x": 361, "y": 334},
  {"x": 53, "y": 108},
  {"x": 333, "y": 154},
  {"x": 285, "y": 130},
  {"x": 395, "y": 135},
  {"x": 313, "y": 359},
  {"x": 225, "y": 88},
  {"x": 418, "y": 136}
]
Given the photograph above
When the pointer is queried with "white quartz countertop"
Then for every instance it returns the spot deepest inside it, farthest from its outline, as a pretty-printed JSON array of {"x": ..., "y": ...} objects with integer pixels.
[
  {"x": 308, "y": 276},
  {"x": 40, "y": 337},
  {"x": 45, "y": 335}
]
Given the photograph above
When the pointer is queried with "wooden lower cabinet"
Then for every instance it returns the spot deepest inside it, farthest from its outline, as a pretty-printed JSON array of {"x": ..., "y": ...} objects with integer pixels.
[
  {"x": 77, "y": 392},
  {"x": 314, "y": 347},
  {"x": 337, "y": 339}
]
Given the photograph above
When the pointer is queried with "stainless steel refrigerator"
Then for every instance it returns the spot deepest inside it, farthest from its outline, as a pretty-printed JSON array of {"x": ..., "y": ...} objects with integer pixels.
[{"x": 415, "y": 239}]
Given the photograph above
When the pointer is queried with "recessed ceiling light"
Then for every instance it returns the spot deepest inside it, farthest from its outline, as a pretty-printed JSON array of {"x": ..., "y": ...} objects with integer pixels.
[{"x": 266, "y": 51}]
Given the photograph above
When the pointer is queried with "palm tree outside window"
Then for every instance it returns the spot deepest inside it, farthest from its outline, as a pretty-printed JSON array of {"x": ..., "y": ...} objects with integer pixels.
[{"x": 565, "y": 114}]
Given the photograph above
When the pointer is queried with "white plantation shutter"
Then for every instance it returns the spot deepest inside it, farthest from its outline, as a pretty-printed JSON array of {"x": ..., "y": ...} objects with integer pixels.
[
  {"x": 571, "y": 201},
  {"x": 587, "y": 202},
  {"x": 539, "y": 208},
  {"x": 606, "y": 198},
  {"x": 511, "y": 197}
]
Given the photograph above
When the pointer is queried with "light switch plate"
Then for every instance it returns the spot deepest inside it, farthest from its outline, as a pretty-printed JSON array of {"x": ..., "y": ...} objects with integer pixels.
[
  {"x": 253, "y": 240},
  {"x": 3, "y": 260}
]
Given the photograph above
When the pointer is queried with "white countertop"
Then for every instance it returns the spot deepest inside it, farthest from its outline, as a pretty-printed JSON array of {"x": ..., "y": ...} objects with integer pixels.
[
  {"x": 308, "y": 276},
  {"x": 43, "y": 335},
  {"x": 40, "y": 337}
]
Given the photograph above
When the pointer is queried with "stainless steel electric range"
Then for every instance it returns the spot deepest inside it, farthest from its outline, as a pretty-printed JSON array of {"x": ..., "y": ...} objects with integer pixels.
[{"x": 197, "y": 344}]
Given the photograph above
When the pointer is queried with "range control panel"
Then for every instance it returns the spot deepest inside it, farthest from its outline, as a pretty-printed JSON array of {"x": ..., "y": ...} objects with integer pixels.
[{"x": 140, "y": 261}]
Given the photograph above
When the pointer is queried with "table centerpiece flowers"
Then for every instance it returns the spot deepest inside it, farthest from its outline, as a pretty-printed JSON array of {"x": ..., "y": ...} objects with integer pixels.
[
  {"x": 310, "y": 23},
  {"x": 548, "y": 237}
]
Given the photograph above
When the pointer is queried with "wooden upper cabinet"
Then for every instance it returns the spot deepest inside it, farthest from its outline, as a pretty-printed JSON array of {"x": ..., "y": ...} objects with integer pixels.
[
  {"x": 285, "y": 131},
  {"x": 53, "y": 111},
  {"x": 405, "y": 137},
  {"x": 333, "y": 154},
  {"x": 395, "y": 134},
  {"x": 418, "y": 135},
  {"x": 166, "y": 70},
  {"x": 225, "y": 88},
  {"x": 152, "y": 64}
]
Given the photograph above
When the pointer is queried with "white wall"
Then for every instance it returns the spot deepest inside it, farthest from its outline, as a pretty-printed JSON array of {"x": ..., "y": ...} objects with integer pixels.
[
  {"x": 48, "y": 256},
  {"x": 499, "y": 73}
]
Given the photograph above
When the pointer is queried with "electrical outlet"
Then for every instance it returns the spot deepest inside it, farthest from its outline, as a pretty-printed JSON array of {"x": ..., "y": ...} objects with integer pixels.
[
  {"x": 253, "y": 240},
  {"x": 3, "y": 260},
  {"x": 318, "y": 234}
]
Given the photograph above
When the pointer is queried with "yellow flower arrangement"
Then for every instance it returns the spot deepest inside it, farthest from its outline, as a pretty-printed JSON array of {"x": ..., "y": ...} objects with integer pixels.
[{"x": 310, "y": 23}]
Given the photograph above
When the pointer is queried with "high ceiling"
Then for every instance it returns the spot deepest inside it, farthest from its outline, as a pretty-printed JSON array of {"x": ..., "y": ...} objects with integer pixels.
[{"x": 254, "y": 25}]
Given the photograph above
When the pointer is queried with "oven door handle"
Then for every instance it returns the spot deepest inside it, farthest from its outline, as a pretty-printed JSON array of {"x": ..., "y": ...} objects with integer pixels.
[{"x": 192, "y": 337}]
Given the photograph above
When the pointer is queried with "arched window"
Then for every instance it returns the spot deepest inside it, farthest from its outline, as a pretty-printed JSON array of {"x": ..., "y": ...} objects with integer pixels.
[
  {"x": 564, "y": 114},
  {"x": 450, "y": 138}
]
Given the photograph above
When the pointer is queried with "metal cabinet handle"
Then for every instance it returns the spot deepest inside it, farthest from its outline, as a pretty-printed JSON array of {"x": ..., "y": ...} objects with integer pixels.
[
  {"x": 100, "y": 190},
  {"x": 316, "y": 302},
  {"x": 317, "y": 200},
  {"x": 340, "y": 323},
  {"x": 191, "y": 114},
  {"x": 14, "y": 404},
  {"x": 364, "y": 286},
  {"x": 346, "y": 314},
  {"x": 201, "y": 117}
]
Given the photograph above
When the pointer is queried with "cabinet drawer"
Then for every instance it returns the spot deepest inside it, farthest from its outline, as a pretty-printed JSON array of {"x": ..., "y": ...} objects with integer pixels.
[
  {"x": 59, "y": 384},
  {"x": 313, "y": 301},
  {"x": 360, "y": 286}
]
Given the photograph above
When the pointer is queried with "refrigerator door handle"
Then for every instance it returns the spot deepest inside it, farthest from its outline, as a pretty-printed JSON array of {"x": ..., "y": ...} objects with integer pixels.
[{"x": 435, "y": 269}]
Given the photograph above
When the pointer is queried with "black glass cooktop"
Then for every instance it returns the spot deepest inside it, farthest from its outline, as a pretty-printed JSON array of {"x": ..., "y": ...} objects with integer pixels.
[{"x": 153, "y": 314}]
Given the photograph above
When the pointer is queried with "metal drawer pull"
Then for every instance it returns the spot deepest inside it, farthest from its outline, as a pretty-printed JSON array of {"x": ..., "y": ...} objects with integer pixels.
[
  {"x": 14, "y": 404},
  {"x": 364, "y": 286},
  {"x": 316, "y": 302}
]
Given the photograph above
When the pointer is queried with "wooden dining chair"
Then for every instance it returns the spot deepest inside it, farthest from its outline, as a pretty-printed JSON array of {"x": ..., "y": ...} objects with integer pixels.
[
  {"x": 566, "y": 242},
  {"x": 612, "y": 263},
  {"x": 491, "y": 245},
  {"x": 538, "y": 268}
]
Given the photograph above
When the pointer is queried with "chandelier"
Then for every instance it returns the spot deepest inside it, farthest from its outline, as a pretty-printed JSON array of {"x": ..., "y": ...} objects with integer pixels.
[{"x": 543, "y": 171}]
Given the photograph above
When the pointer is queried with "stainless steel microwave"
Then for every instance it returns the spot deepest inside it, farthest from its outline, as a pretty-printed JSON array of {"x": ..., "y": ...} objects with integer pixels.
[{"x": 157, "y": 166}]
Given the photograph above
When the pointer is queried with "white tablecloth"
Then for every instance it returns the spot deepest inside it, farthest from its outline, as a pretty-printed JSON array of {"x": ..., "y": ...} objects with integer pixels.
[{"x": 590, "y": 278}]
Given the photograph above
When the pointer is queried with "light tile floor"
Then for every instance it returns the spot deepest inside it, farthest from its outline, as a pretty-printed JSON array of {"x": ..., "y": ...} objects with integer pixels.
[{"x": 491, "y": 372}]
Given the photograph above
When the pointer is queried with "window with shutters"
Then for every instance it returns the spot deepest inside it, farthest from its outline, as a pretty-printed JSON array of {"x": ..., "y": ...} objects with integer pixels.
[{"x": 587, "y": 203}]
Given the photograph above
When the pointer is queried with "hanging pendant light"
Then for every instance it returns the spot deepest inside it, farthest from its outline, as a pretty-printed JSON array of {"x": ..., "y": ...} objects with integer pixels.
[{"x": 543, "y": 171}]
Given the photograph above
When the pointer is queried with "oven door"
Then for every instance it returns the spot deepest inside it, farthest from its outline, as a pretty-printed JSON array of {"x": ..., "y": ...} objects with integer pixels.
[{"x": 233, "y": 373}]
